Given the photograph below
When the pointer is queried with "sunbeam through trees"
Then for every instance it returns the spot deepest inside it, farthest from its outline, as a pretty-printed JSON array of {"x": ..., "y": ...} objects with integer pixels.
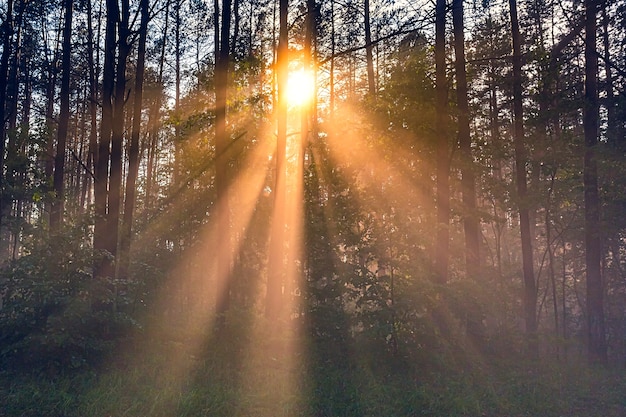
[{"x": 312, "y": 208}]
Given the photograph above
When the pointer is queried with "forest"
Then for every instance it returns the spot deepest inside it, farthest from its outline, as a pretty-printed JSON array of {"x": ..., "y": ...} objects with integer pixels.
[{"x": 314, "y": 208}]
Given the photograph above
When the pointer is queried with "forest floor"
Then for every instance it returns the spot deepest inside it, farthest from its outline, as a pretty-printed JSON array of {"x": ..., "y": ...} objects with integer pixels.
[{"x": 171, "y": 379}]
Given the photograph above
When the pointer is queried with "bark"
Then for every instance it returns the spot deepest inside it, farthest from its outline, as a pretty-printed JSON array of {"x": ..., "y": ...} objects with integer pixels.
[
  {"x": 93, "y": 99},
  {"x": 331, "y": 99},
  {"x": 442, "y": 151},
  {"x": 133, "y": 150},
  {"x": 117, "y": 134},
  {"x": 154, "y": 117},
  {"x": 368, "y": 50},
  {"x": 56, "y": 214},
  {"x": 470, "y": 221},
  {"x": 224, "y": 259},
  {"x": 177, "y": 75},
  {"x": 276, "y": 264},
  {"x": 596, "y": 336},
  {"x": 530, "y": 290},
  {"x": 102, "y": 236},
  {"x": 7, "y": 36}
]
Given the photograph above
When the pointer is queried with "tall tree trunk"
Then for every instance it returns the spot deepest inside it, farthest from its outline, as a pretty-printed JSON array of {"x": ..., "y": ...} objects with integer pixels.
[
  {"x": 530, "y": 288},
  {"x": 7, "y": 37},
  {"x": 331, "y": 99},
  {"x": 224, "y": 260},
  {"x": 11, "y": 194},
  {"x": 154, "y": 117},
  {"x": 371, "y": 82},
  {"x": 177, "y": 80},
  {"x": 442, "y": 151},
  {"x": 276, "y": 264},
  {"x": 597, "y": 349},
  {"x": 93, "y": 99},
  {"x": 56, "y": 214},
  {"x": 133, "y": 150},
  {"x": 102, "y": 236},
  {"x": 470, "y": 221},
  {"x": 468, "y": 187},
  {"x": 117, "y": 133}
]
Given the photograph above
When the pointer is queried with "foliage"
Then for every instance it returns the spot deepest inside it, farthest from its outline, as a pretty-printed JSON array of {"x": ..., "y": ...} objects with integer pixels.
[{"x": 47, "y": 321}]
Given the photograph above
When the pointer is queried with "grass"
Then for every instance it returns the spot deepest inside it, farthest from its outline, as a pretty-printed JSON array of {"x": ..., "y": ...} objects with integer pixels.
[{"x": 226, "y": 380}]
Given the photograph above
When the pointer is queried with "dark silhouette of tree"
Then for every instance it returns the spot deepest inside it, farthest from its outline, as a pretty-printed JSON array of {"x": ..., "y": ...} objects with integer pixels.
[
  {"x": 530, "y": 287},
  {"x": 56, "y": 214},
  {"x": 276, "y": 264},
  {"x": 222, "y": 56},
  {"x": 597, "y": 350},
  {"x": 442, "y": 147}
]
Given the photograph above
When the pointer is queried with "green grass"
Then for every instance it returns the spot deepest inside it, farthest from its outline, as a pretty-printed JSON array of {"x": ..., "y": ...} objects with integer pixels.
[{"x": 226, "y": 381}]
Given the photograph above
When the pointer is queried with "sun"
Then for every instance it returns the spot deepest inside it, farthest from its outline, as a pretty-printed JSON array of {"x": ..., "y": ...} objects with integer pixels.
[{"x": 300, "y": 88}]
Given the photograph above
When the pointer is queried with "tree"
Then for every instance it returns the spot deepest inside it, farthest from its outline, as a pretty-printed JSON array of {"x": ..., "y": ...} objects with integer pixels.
[
  {"x": 470, "y": 221},
  {"x": 56, "y": 214},
  {"x": 7, "y": 35},
  {"x": 275, "y": 275},
  {"x": 371, "y": 82},
  {"x": 596, "y": 348},
  {"x": 222, "y": 60},
  {"x": 442, "y": 148},
  {"x": 133, "y": 150},
  {"x": 530, "y": 289},
  {"x": 103, "y": 239}
]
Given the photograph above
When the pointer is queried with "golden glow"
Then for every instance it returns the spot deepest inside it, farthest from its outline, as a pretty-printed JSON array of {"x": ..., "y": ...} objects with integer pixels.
[{"x": 300, "y": 88}]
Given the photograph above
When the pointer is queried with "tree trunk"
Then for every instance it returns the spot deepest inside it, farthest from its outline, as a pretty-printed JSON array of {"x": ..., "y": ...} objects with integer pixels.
[
  {"x": 117, "y": 133},
  {"x": 530, "y": 290},
  {"x": 133, "y": 150},
  {"x": 7, "y": 36},
  {"x": 93, "y": 99},
  {"x": 56, "y": 214},
  {"x": 331, "y": 75},
  {"x": 442, "y": 151},
  {"x": 470, "y": 221},
  {"x": 596, "y": 343},
  {"x": 224, "y": 259},
  {"x": 276, "y": 264},
  {"x": 154, "y": 117},
  {"x": 102, "y": 236},
  {"x": 368, "y": 50}
]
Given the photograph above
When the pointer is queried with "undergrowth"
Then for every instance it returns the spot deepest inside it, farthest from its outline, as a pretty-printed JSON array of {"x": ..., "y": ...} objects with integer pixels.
[{"x": 234, "y": 376}]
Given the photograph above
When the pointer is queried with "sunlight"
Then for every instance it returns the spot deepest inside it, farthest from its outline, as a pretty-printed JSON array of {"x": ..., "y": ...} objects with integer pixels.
[{"x": 300, "y": 88}]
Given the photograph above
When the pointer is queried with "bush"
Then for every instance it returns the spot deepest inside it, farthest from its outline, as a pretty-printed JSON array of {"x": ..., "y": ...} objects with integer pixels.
[{"x": 47, "y": 322}]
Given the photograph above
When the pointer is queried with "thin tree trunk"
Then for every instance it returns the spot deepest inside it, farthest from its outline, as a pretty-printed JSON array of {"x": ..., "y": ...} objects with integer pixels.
[
  {"x": 276, "y": 264},
  {"x": 133, "y": 150},
  {"x": 331, "y": 100},
  {"x": 470, "y": 221},
  {"x": 56, "y": 214},
  {"x": 224, "y": 260},
  {"x": 154, "y": 117},
  {"x": 177, "y": 79},
  {"x": 7, "y": 36},
  {"x": 530, "y": 290},
  {"x": 442, "y": 150},
  {"x": 103, "y": 266},
  {"x": 93, "y": 100},
  {"x": 117, "y": 134},
  {"x": 596, "y": 347},
  {"x": 371, "y": 82}
]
